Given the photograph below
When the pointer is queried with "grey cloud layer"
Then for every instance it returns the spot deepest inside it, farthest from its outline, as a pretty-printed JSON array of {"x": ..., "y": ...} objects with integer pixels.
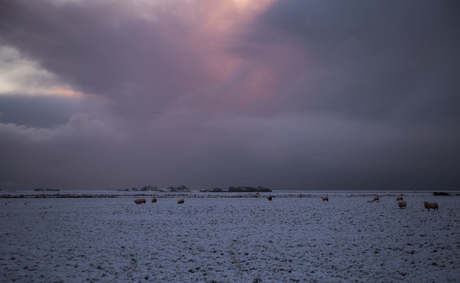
[
  {"x": 103, "y": 51},
  {"x": 372, "y": 86},
  {"x": 390, "y": 59}
]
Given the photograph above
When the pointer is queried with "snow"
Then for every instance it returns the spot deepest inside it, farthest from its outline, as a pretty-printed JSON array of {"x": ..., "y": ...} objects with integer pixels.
[{"x": 221, "y": 239}]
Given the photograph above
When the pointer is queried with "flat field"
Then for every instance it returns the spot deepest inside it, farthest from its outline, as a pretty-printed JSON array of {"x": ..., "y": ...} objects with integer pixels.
[{"x": 220, "y": 239}]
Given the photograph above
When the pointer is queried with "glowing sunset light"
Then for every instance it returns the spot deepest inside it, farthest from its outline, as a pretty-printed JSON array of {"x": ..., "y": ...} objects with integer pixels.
[
  {"x": 68, "y": 92},
  {"x": 253, "y": 5}
]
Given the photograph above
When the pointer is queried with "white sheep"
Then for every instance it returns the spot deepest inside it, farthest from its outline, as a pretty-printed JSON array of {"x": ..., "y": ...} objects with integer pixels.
[
  {"x": 140, "y": 200},
  {"x": 429, "y": 205},
  {"x": 402, "y": 204}
]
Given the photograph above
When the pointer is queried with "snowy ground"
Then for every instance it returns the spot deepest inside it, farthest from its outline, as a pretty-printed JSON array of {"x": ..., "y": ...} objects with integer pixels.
[{"x": 229, "y": 240}]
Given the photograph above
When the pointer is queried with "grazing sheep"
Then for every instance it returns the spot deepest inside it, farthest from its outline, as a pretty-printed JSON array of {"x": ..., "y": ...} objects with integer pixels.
[
  {"x": 399, "y": 198},
  {"x": 154, "y": 200},
  {"x": 325, "y": 198},
  {"x": 180, "y": 201},
  {"x": 140, "y": 200},
  {"x": 402, "y": 204},
  {"x": 429, "y": 205},
  {"x": 270, "y": 198}
]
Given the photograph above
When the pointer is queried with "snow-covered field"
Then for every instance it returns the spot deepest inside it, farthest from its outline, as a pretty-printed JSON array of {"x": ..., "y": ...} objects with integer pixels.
[{"x": 230, "y": 240}]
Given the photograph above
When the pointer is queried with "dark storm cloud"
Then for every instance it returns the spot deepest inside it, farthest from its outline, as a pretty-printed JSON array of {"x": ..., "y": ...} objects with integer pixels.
[
  {"x": 298, "y": 95},
  {"x": 386, "y": 59},
  {"x": 39, "y": 112},
  {"x": 70, "y": 155},
  {"x": 102, "y": 49}
]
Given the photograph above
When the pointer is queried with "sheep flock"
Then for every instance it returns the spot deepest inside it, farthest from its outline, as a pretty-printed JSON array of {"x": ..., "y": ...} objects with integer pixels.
[{"x": 401, "y": 204}]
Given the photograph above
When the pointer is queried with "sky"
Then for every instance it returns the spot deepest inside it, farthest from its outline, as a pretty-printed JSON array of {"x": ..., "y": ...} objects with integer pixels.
[{"x": 316, "y": 95}]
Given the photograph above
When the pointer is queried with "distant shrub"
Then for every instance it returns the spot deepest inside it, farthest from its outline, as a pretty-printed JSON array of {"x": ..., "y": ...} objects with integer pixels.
[{"x": 178, "y": 189}]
